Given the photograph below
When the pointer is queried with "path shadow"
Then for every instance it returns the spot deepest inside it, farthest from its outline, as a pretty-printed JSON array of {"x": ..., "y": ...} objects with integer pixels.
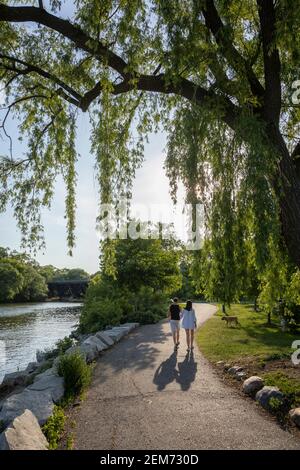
[
  {"x": 138, "y": 352},
  {"x": 187, "y": 371},
  {"x": 166, "y": 373},
  {"x": 184, "y": 374}
]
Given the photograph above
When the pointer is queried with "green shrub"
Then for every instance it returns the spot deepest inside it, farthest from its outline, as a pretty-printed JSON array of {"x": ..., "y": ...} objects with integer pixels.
[
  {"x": 275, "y": 404},
  {"x": 278, "y": 356},
  {"x": 54, "y": 427},
  {"x": 97, "y": 314},
  {"x": 108, "y": 304},
  {"x": 288, "y": 385},
  {"x": 70, "y": 442},
  {"x": 63, "y": 344},
  {"x": 76, "y": 374},
  {"x": 136, "y": 287},
  {"x": 102, "y": 307},
  {"x": 147, "y": 306}
]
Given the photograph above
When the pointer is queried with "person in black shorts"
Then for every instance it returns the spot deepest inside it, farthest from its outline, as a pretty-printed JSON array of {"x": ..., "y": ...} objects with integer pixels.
[{"x": 174, "y": 317}]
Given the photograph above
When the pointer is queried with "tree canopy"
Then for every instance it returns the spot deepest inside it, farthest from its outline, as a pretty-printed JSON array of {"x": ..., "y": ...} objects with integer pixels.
[
  {"x": 147, "y": 273},
  {"x": 216, "y": 75}
]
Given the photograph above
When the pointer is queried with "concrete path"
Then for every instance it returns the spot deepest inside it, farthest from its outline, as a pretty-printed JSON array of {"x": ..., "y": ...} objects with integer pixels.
[{"x": 144, "y": 396}]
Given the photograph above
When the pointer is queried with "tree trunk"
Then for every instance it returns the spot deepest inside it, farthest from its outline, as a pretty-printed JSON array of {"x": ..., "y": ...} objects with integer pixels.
[
  {"x": 287, "y": 188},
  {"x": 223, "y": 309},
  {"x": 269, "y": 319},
  {"x": 255, "y": 305}
]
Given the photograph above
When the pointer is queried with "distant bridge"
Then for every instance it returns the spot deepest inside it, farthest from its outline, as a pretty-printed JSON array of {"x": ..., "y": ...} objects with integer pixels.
[{"x": 68, "y": 288}]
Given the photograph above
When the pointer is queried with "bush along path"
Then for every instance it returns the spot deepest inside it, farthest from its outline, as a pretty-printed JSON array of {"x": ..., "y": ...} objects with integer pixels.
[
  {"x": 145, "y": 396},
  {"x": 23, "y": 412}
]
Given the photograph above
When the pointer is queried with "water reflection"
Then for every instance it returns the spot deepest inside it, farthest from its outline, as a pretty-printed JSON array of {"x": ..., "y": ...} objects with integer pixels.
[{"x": 28, "y": 327}]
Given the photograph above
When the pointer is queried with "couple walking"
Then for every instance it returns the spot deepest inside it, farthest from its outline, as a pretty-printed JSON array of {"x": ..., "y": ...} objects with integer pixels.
[{"x": 187, "y": 317}]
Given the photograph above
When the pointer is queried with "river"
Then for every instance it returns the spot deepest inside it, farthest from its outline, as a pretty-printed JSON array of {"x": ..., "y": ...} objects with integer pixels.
[{"x": 25, "y": 328}]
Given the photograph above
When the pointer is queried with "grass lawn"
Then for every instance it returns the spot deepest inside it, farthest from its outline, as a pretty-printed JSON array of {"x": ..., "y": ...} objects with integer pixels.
[
  {"x": 262, "y": 350},
  {"x": 252, "y": 338}
]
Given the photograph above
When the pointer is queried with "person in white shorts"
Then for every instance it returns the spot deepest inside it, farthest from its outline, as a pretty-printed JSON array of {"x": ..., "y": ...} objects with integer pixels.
[
  {"x": 174, "y": 315},
  {"x": 189, "y": 323}
]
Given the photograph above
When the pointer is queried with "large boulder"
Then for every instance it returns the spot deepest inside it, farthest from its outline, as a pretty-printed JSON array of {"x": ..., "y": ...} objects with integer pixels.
[
  {"x": 234, "y": 370},
  {"x": 237, "y": 372},
  {"x": 14, "y": 379},
  {"x": 131, "y": 325},
  {"x": 94, "y": 340},
  {"x": 123, "y": 328},
  {"x": 101, "y": 344},
  {"x": 55, "y": 363},
  {"x": 39, "y": 402},
  {"x": 115, "y": 335},
  {"x": 90, "y": 351},
  {"x": 240, "y": 375},
  {"x": 51, "y": 383},
  {"x": 24, "y": 433},
  {"x": 76, "y": 350},
  {"x": 252, "y": 385},
  {"x": 32, "y": 366},
  {"x": 47, "y": 373},
  {"x": 269, "y": 397},
  {"x": 105, "y": 338},
  {"x": 295, "y": 416}
]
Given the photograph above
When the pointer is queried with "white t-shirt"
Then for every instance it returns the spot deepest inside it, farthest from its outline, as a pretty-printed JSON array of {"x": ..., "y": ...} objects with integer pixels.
[{"x": 189, "y": 319}]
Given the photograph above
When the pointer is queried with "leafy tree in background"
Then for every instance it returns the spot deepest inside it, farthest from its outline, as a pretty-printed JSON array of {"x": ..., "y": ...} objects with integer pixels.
[
  {"x": 11, "y": 281},
  {"x": 34, "y": 286},
  {"x": 28, "y": 279},
  {"x": 221, "y": 72},
  {"x": 146, "y": 274},
  {"x": 3, "y": 252},
  {"x": 147, "y": 262},
  {"x": 69, "y": 274},
  {"x": 26, "y": 282},
  {"x": 187, "y": 290},
  {"x": 47, "y": 272}
]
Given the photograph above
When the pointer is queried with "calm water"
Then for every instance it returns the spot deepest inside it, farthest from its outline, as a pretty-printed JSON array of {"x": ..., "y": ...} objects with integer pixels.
[{"x": 24, "y": 328}]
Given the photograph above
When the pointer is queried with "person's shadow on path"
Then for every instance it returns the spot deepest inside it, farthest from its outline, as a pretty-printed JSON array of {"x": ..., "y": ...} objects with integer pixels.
[
  {"x": 167, "y": 372},
  {"x": 187, "y": 371}
]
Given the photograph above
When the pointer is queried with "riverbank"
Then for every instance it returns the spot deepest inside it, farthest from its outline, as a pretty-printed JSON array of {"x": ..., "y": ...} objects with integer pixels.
[
  {"x": 26, "y": 328},
  {"x": 48, "y": 386}
]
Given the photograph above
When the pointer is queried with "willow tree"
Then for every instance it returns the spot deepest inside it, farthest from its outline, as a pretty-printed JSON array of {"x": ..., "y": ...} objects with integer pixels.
[{"x": 130, "y": 64}]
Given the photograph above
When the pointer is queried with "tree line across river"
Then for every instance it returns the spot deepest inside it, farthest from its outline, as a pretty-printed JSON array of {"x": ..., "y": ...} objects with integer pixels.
[{"x": 22, "y": 279}]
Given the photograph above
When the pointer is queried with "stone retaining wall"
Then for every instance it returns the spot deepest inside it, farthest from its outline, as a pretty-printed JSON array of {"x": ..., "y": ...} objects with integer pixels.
[{"x": 22, "y": 413}]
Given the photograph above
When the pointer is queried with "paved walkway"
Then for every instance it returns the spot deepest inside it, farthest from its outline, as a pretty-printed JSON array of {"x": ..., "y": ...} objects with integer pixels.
[{"x": 144, "y": 396}]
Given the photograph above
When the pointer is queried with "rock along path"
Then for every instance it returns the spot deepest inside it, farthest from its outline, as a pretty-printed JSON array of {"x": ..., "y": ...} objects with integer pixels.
[{"x": 144, "y": 396}]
